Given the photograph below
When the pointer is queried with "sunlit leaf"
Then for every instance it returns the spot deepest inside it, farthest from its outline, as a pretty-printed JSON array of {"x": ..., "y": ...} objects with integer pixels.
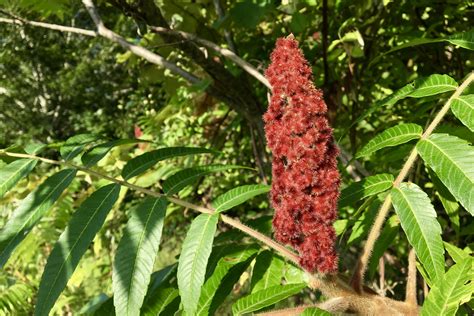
[
  {"x": 456, "y": 253},
  {"x": 367, "y": 187},
  {"x": 238, "y": 195},
  {"x": 96, "y": 153},
  {"x": 432, "y": 85},
  {"x": 72, "y": 244},
  {"x": 392, "y": 136},
  {"x": 30, "y": 211},
  {"x": 452, "y": 160},
  {"x": 264, "y": 298},
  {"x": 450, "y": 291},
  {"x": 418, "y": 220},
  {"x": 192, "y": 265},
  {"x": 144, "y": 162},
  {"x": 463, "y": 108},
  {"x": 136, "y": 255},
  {"x": 14, "y": 172},
  {"x": 183, "y": 178}
]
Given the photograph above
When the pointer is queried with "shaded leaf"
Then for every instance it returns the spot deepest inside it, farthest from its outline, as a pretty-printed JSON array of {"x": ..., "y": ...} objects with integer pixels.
[
  {"x": 183, "y": 178},
  {"x": 76, "y": 144},
  {"x": 392, "y": 136},
  {"x": 197, "y": 247},
  {"x": 30, "y": 211},
  {"x": 418, "y": 220},
  {"x": 162, "y": 299},
  {"x": 238, "y": 196},
  {"x": 367, "y": 187},
  {"x": 96, "y": 153},
  {"x": 385, "y": 240},
  {"x": 463, "y": 108},
  {"x": 227, "y": 272},
  {"x": 72, "y": 244},
  {"x": 14, "y": 172},
  {"x": 455, "y": 288},
  {"x": 267, "y": 271},
  {"x": 452, "y": 160},
  {"x": 264, "y": 298},
  {"x": 144, "y": 162},
  {"x": 136, "y": 254}
]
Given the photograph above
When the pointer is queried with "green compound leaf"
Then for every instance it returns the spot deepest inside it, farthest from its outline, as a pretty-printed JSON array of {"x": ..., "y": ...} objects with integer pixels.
[
  {"x": 72, "y": 244},
  {"x": 30, "y": 211},
  {"x": 418, "y": 220},
  {"x": 227, "y": 271},
  {"x": 96, "y": 153},
  {"x": 136, "y": 254},
  {"x": 187, "y": 176},
  {"x": 393, "y": 136},
  {"x": 14, "y": 172},
  {"x": 367, "y": 187},
  {"x": 192, "y": 265},
  {"x": 238, "y": 195},
  {"x": 76, "y": 144},
  {"x": 452, "y": 159},
  {"x": 264, "y": 298},
  {"x": 463, "y": 108},
  {"x": 452, "y": 290},
  {"x": 144, "y": 162}
]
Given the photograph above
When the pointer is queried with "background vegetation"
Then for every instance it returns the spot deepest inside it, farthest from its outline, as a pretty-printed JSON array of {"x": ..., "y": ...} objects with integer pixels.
[{"x": 55, "y": 85}]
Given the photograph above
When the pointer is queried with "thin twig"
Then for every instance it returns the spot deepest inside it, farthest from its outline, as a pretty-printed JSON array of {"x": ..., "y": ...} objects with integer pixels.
[
  {"x": 223, "y": 51},
  {"x": 227, "y": 33},
  {"x": 156, "y": 59},
  {"x": 361, "y": 267},
  {"x": 50, "y": 26},
  {"x": 288, "y": 254}
]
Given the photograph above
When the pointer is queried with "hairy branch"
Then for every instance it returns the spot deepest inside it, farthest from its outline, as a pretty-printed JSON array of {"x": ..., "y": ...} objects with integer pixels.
[
  {"x": 223, "y": 51},
  {"x": 410, "y": 295},
  {"x": 156, "y": 59},
  {"x": 363, "y": 261},
  {"x": 56, "y": 27}
]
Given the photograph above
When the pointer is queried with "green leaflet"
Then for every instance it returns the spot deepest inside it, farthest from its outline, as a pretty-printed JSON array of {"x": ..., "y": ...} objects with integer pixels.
[
  {"x": 421, "y": 87},
  {"x": 14, "y": 172},
  {"x": 192, "y": 265},
  {"x": 314, "y": 311},
  {"x": 136, "y": 255},
  {"x": 267, "y": 271},
  {"x": 386, "y": 238},
  {"x": 450, "y": 291},
  {"x": 165, "y": 302},
  {"x": 72, "y": 244},
  {"x": 76, "y": 144},
  {"x": 144, "y": 162},
  {"x": 264, "y": 298},
  {"x": 238, "y": 195},
  {"x": 463, "y": 108},
  {"x": 418, "y": 219},
  {"x": 30, "y": 211},
  {"x": 392, "y": 136},
  {"x": 451, "y": 158},
  {"x": 182, "y": 178},
  {"x": 220, "y": 283},
  {"x": 456, "y": 253},
  {"x": 96, "y": 153},
  {"x": 367, "y": 187}
]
